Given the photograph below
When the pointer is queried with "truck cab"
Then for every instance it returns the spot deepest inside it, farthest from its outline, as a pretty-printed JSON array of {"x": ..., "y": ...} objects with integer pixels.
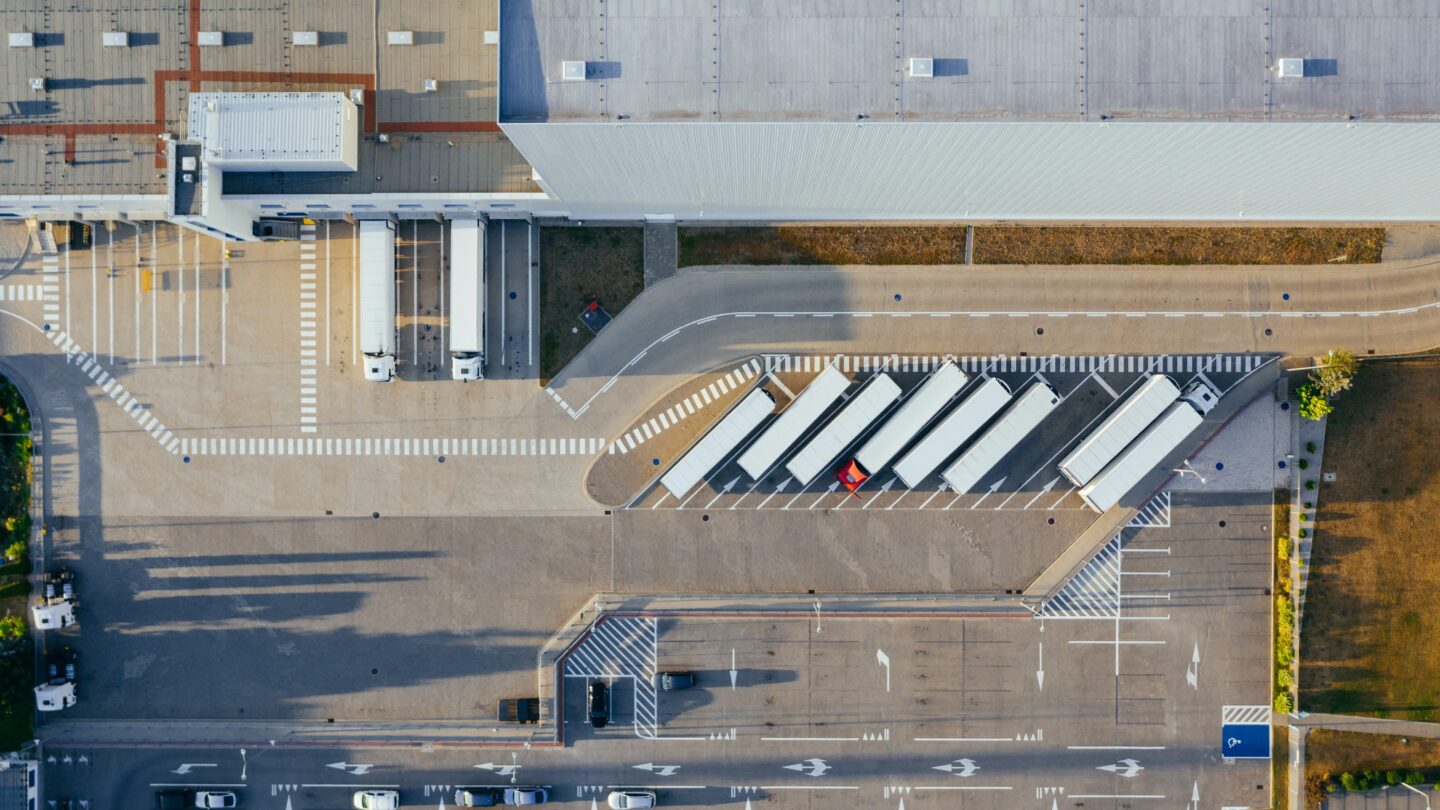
[
  {"x": 56, "y": 607},
  {"x": 379, "y": 367}
]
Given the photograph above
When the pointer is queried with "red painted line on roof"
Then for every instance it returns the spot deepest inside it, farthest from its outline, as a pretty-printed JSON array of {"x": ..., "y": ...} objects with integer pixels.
[
  {"x": 439, "y": 126},
  {"x": 194, "y": 45}
]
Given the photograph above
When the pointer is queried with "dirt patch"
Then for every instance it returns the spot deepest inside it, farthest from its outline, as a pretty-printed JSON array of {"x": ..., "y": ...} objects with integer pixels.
[
  {"x": 578, "y": 265},
  {"x": 1370, "y": 617},
  {"x": 1329, "y": 754},
  {"x": 1279, "y": 768},
  {"x": 799, "y": 244},
  {"x": 1106, "y": 245}
]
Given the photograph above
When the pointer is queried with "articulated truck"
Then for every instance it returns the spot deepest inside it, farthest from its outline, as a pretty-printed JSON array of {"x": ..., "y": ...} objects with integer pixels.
[
  {"x": 1164, "y": 435},
  {"x": 467, "y": 299},
  {"x": 377, "y": 298}
]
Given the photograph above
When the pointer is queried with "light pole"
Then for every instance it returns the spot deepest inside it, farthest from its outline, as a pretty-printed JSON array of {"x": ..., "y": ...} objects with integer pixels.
[
  {"x": 1423, "y": 794},
  {"x": 1186, "y": 468}
]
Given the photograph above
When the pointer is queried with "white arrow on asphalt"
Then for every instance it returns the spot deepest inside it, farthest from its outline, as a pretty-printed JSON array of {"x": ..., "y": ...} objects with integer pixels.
[
  {"x": 594, "y": 805},
  {"x": 778, "y": 489},
  {"x": 1040, "y": 672},
  {"x": 188, "y": 766},
  {"x": 884, "y": 660},
  {"x": 723, "y": 490},
  {"x": 658, "y": 770},
  {"x": 1192, "y": 672},
  {"x": 884, "y": 488},
  {"x": 1038, "y": 495},
  {"x": 502, "y": 770},
  {"x": 927, "y": 501},
  {"x": 287, "y": 804},
  {"x": 350, "y": 768},
  {"x": 964, "y": 768},
  {"x": 1195, "y": 796},
  {"x": 1127, "y": 768},
  {"x": 993, "y": 487},
  {"x": 747, "y": 805},
  {"x": 810, "y": 767},
  {"x": 442, "y": 802},
  {"x": 734, "y": 673},
  {"x": 830, "y": 490}
]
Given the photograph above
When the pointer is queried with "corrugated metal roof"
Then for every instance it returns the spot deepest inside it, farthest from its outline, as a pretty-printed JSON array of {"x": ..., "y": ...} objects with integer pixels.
[{"x": 991, "y": 170}]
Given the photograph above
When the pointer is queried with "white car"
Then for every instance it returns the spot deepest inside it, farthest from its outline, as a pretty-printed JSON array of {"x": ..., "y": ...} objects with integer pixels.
[
  {"x": 631, "y": 799},
  {"x": 212, "y": 799},
  {"x": 377, "y": 800}
]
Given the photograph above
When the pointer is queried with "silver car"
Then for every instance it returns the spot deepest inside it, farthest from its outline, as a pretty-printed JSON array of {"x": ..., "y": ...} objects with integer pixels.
[
  {"x": 526, "y": 795},
  {"x": 631, "y": 799}
]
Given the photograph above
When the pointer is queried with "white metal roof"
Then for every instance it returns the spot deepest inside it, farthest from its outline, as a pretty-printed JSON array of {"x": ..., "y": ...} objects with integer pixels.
[
  {"x": 820, "y": 394},
  {"x": 1119, "y": 429},
  {"x": 1024, "y": 415},
  {"x": 827, "y": 445},
  {"x": 724, "y": 437},
  {"x": 906, "y": 424},
  {"x": 979, "y": 407},
  {"x": 1212, "y": 171},
  {"x": 276, "y": 131},
  {"x": 1158, "y": 440}
]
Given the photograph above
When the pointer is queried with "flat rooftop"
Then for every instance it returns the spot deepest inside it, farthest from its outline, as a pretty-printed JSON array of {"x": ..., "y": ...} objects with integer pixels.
[
  {"x": 838, "y": 60},
  {"x": 94, "y": 128}
]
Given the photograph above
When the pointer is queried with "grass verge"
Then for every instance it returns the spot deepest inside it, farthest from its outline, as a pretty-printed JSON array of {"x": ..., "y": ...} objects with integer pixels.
[
  {"x": 1370, "y": 606},
  {"x": 577, "y": 265},
  {"x": 1357, "y": 761},
  {"x": 17, "y": 701},
  {"x": 1028, "y": 244},
  {"x": 1279, "y": 768}
]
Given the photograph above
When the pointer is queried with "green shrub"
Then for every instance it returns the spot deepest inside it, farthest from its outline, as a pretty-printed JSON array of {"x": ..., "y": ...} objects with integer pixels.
[
  {"x": 1302, "y": 534},
  {"x": 1303, "y": 517},
  {"x": 1283, "y": 547},
  {"x": 1414, "y": 778},
  {"x": 1308, "y": 505},
  {"x": 11, "y": 626},
  {"x": 1310, "y": 447},
  {"x": 1313, "y": 405},
  {"x": 1303, "y": 464},
  {"x": 1284, "y": 703},
  {"x": 15, "y": 551}
]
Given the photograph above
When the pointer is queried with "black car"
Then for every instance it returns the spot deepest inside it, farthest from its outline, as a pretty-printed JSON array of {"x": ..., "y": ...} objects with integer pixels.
[
  {"x": 174, "y": 799},
  {"x": 671, "y": 681},
  {"x": 599, "y": 704}
]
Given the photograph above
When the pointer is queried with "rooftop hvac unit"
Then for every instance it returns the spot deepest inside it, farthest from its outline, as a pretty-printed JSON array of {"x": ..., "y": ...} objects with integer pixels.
[
  {"x": 1291, "y": 68},
  {"x": 572, "y": 71},
  {"x": 116, "y": 39},
  {"x": 400, "y": 38},
  {"x": 432, "y": 86},
  {"x": 210, "y": 38},
  {"x": 187, "y": 163},
  {"x": 357, "y": 96},
  {"x": 38, "y": 84},
  {"x": 22, "y": 39},
  {"x": 305, "y": 38},
  {"x": 922, "y": 67},
  {"x": 492, "y": 38}
]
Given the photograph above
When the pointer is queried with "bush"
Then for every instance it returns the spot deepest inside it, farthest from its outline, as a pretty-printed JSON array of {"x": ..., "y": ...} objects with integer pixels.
[
  {"x": 1350, "y": 782},
  {"x": 1414, "y": 778},
  {"x": 1303, "y": 517},
  {"x": 15, "y": 551},
  {"x": 11, "y": 626},
  {"x": 1310, "y": 485},
  {"x": 1313, "y": 405},
  {"x": 1308, "y": 505},
  {"x": 1310, "y": 447},
  {"x": 1302, "y": 534},
  {"x": 1283, "y": 547},
  {"x": 1284, "y": 703},
  {"x": 1303, "y": 463}
]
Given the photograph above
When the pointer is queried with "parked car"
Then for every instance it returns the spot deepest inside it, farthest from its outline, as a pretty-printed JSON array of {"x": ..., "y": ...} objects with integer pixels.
[
  {"x": 631, "y": 799},
  {"x": 478, "y": 796},
  {"x": 599, "y": 704},
  {"x": 174, "y": 799},
  {"x": 211, "y": 799},
  {"x": 518, "y": 796},
  {"x": 671, "y": 681},
  {"x": 376, "y": 800}
]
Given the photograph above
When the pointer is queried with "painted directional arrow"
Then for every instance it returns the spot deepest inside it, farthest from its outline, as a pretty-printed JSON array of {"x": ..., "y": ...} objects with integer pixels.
[
  {"x": 884, "y": 660},
  {"x": 1042, "y": 492},
  {"x": 1127, "y": 768},
  {"x": 734, "y": 673},
  {"x": 1192, "y": 672},
  {"x": 189, "y": 766},
  {"x": 350, "y": 768},
  {"x": 723, "y": 490},
  {"x": 501, "y": 770},
  {"x": 993, "y": 488},
  {"x": 1195, "y": 796},
  {"x": 810, "y": 767},
  {"x": 884, "y": 488},
  {"x": 1040, "y": 671},
  {"x": 830, "y": 490},
  {"x": 964, "y": 768},
  {"x": 658, "y": 770}
]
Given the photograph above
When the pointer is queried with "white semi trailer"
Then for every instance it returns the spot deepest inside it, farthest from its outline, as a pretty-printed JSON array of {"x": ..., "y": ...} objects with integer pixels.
[
  {"x": 956, "y": 428},
  {"x": 827, "y": 445},
  {"x": 1024, "y": 415},
  {"x": 727, "y": 434},
  {"x": 377, "y": 298},
  {"x": 1119, "y": 429},
  {"x": 1147, "y": 452},
  {"x": 928, "y": 400},
  {"x": 467, "y": 299},
  {"x": 792, "y": 422}
]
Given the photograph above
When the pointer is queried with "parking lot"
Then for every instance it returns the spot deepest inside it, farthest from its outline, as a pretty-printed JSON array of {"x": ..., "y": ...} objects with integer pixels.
[{"x": 1024, "y": 480}]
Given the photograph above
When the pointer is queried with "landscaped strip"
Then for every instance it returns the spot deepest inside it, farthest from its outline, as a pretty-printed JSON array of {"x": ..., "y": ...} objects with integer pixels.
[
  {"x": 17, "y": 701},
  {"x": 1356, "y": 762},
  {"x": 579, "y": 265},
  {"x": 1284, "y": 607}
]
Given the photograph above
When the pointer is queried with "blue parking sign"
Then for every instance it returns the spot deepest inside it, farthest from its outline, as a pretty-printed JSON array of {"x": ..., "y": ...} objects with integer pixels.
[{"x": 1245, "y": 741}]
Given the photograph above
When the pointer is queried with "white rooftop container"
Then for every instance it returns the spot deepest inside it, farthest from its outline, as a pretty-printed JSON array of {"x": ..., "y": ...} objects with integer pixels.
[
  {"x": 1142, "y": 456},
  {"x": 827, "y": 445},
  {"x": 572, "y": 71},
  {"x": 1024, "y": 415},
  {"x": 727, "y": 434},
  {"x": 922, "y": 67},
  {"x": 305, "y": 38},
  {"x": 210, "y": 39},
  {"x": 922, "y": 406},
  {"x": 400, "y": 37},
  {"x": 22, "y": 39},
  {"x": 1119, "y": 429},
  {"x": 115, "y": 39},
  {"x": 291, "y": 132},
  {"x": 979, "y": 407},
  {"x": 800, "y": 414}
]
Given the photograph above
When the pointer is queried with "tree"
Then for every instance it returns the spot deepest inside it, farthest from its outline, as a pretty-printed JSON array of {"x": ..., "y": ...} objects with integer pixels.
[
  {"x": 1313, "y": 405},
  {"x": 1336, "y": 374},
  {"x": 11, "y": 626},
  {"x": 15, "y": 551}
]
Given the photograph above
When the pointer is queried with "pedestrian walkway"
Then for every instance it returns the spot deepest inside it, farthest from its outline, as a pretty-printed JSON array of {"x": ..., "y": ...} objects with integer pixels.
[{"x": 662, "y": 252}]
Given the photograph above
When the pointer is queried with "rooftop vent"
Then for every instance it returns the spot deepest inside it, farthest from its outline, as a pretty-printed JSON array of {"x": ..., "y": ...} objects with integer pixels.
[
  {"x": 922, "y": 67},
  {"x": 400, "y": 38},
  {"x": 22, "y": 39},
  {"x": 1290, "y": 68},
  {"x": 572, "y": 71},
  {"x": 116, "y": 39},
  {"x": 210, "y": 38},
  {"x": 305, "y": 38},
  {"x": 432, "y": 86},
  {"x": 357, "y": 96},
  {"x": 38, "y": 84},
  {"x": 492, "y": 38}
]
